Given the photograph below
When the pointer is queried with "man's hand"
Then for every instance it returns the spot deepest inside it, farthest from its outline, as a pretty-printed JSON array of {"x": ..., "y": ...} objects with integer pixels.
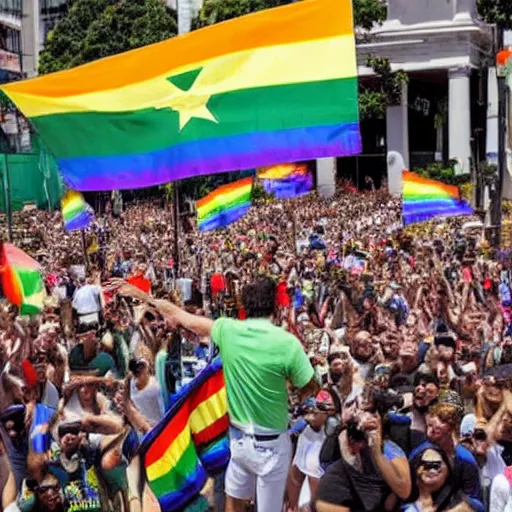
[
  {"x": 126, "y": 289},
  {"x": 373, "y": 428}
]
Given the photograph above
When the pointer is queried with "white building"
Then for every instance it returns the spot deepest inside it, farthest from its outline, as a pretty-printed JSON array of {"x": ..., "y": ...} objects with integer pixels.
[
  {"x": 10, "y": 40},
  {"x": 444, "y": 48}
]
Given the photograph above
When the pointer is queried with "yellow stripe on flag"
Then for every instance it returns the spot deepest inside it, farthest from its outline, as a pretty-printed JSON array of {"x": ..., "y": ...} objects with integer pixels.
[
  {"x": 209, "y": 411},
  {"x": 262, "y": 67},
  {"x": 171, "y": 456}
]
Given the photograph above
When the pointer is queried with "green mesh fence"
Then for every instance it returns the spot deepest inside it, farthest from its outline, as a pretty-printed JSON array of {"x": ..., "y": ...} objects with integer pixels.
[{"x": 34, "y": 179}]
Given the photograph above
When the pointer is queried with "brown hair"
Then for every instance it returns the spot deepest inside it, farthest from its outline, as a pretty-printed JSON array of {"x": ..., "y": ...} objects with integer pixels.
[{"x": 447, "y": 413}]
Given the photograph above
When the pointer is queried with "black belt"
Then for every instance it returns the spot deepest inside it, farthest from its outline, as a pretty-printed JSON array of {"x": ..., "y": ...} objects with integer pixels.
[
  {"x": 265, "y": 438},
  {"x": 259, "y": 437}
]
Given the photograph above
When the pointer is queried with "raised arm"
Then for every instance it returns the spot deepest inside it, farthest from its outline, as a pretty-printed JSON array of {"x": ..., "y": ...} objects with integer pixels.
[
  {"x": 173, "y": 314},
  {"x": 201, "y": 325}
]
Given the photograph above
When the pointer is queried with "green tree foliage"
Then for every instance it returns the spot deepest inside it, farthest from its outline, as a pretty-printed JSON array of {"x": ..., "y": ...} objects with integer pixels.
[
  {"x": 366, "y": 12},
  {"x": 215, "y": 11},
  {"x": 94, "y": 29},
  {"x": 383, "y": 91},
  {"x": 496, "y": 11},
  {"x": 369, "y": 12}
]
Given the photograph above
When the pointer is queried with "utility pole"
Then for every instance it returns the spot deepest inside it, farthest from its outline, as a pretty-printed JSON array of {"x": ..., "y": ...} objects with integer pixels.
[
  {"x": 7, "y": 195},
  {"x": 176, "y": 206},
  {"x": 496, "y": 205}
]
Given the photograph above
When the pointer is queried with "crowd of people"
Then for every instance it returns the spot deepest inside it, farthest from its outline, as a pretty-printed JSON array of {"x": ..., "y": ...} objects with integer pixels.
[{"x": 367, "y": 367}]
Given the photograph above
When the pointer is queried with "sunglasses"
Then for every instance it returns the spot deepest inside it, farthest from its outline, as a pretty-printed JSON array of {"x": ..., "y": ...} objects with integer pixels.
[
  {"x": 43, "y": 489},
  {"x": 431, "y": 465}
]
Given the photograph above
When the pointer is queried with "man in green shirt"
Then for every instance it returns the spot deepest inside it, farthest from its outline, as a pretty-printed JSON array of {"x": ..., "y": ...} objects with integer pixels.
[{"x": 258, "y": 360}]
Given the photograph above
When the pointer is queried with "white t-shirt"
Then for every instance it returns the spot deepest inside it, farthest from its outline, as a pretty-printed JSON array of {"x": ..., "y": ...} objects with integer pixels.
[
  {"x": 148, "y": 400},
  {"x": 307, "y": 456}
]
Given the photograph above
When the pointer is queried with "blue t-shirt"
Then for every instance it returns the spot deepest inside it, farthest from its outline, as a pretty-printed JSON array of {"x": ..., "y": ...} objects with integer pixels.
[{"x": 392, "y": 450}]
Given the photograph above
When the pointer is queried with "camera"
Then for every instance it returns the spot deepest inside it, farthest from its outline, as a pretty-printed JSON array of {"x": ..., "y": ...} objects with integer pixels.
[{"x": 383, "y": 400}]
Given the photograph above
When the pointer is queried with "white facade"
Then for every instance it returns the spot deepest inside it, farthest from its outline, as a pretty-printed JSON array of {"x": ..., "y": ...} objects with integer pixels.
[
  {"x": 432, "y": 36},
  {"x": 429, "y": 36}
]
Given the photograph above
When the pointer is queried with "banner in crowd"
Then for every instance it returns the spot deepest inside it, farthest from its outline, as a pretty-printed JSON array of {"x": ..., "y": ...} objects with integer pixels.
[
  {"x": 22, "y": 282},
  {"x": 224, "y": 205},
  {"x": 286, "y": 181},
  {"x": 423, "y": 199},
  {"x": 191, "y": 441},
  {"x": 254, "y": 91},
  {"x": 76, "y": 213}
]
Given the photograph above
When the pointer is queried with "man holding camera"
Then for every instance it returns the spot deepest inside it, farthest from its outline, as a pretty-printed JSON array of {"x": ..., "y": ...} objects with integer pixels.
[
  {"x": 367, "y": 472},
  {"x": 73, "y": 460}
]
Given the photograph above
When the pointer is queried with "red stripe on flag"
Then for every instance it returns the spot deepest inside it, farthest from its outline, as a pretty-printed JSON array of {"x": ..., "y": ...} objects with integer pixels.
[
  {"x": 207, "y": 390},
  {"x": 168, "y": 435},
  {"x": 212, "y": 432}
]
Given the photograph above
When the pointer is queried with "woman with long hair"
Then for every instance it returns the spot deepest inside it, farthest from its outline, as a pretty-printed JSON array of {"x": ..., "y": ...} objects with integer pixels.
[{"x": 433, "y": 487}]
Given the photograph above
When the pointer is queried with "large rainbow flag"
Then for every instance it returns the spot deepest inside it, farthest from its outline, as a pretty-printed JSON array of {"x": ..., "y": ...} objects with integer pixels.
[
  {"x": 190, "y": 443},
  {"x": 22, "y": 282},
  {"x": 274, "y": 86},
  {"x": 76, "y": 213},
  {"x": 286, "y": 181},
  {"x": 424, "y": 199},
  {"x": 224, "y": 205}
]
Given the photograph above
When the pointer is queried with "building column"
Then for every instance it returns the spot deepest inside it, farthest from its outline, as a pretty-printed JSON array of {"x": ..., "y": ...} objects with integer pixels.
[
  {"x": 326, "y": 176},
  {"x": 397, "y": 141},
  {"x": 30, "y": 37},
  {"x": 459, "y": 118}
]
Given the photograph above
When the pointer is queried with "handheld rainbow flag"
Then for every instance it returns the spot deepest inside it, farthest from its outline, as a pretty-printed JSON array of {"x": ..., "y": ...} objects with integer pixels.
[
  {"x": 224, "y": 205},
  {"x": 21, "y": 280},
  {"x": 190, "y": 442},
  {"x": 275, "y": 86},
  {"x": 423, "y": 199},
  {"x": 76, "y": 213},
  {"x": 286, "y": 181}
]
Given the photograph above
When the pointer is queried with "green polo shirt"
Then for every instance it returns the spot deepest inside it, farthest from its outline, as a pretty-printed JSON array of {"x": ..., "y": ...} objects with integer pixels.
[{"x": 258, "y": 358}]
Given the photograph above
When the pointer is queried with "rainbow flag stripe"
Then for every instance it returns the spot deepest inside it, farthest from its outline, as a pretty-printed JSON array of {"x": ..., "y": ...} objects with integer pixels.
[
  {"x": 274, "y": 86},
  {"x": 190, "y": 443},
  {"x": 224, "y": 205},
  {"x": 76, "y": 213},
  {"x": 423, "y": 199},
  {"x": 22, "y": 283},
  {"x": 286, "y": 181}
]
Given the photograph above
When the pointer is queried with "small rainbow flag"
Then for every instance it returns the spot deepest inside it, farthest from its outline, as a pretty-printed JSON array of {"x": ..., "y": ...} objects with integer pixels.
[
  {"x": 21, "y": 280},
  {"x": 423, "y": 199},
  {"x": 286, "y": 181},
  {"x": 190, "y": 443},
  {"x": 279, "y": 85},
  {"x": 224, "y": 205},
  {"x": 76, "y": 213}
]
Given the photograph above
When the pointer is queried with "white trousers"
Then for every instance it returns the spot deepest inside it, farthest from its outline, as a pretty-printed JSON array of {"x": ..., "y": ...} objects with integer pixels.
[{"x": 258, "y": 469}]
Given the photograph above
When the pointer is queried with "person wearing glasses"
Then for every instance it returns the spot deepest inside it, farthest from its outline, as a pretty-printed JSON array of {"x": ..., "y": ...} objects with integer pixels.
[
  {"x": 74, "y": 462},
  {"x": 45, "y": 496},
  {"x": 434, "y": 488},
  {"x": 443, "y": 426}
]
